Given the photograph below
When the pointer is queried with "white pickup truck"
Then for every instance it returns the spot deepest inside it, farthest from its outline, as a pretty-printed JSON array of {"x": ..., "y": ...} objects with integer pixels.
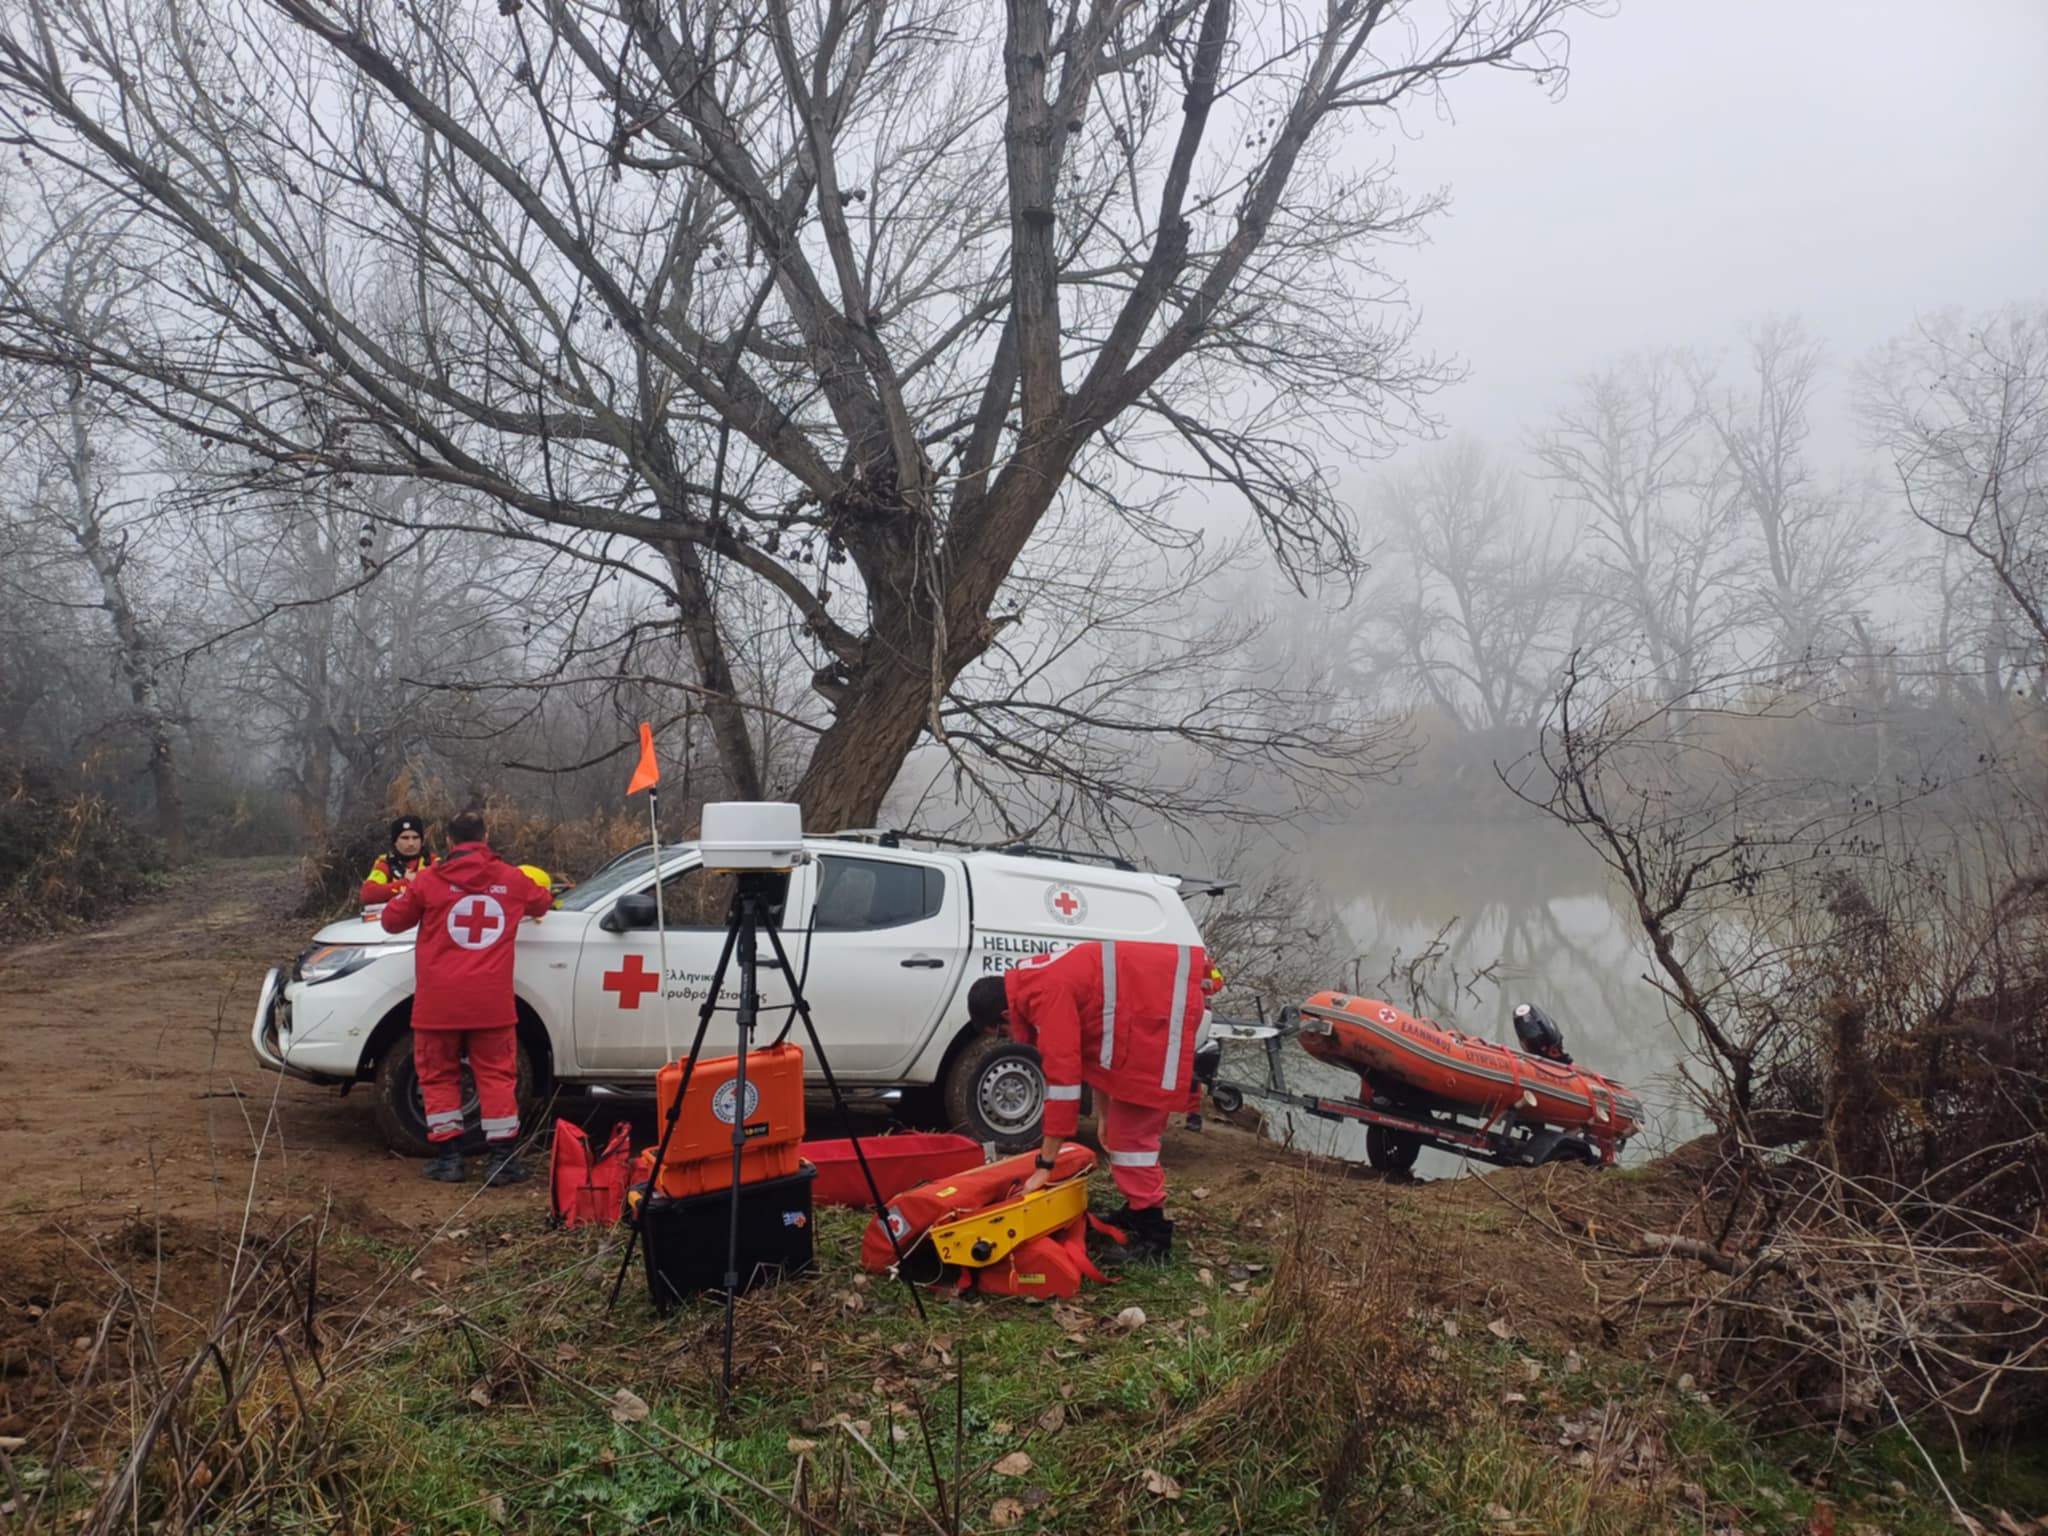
[{"x": 885, "y": 940}]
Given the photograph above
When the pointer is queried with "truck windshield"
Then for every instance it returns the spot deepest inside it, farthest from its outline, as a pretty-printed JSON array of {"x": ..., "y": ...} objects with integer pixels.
[{"x": 627, "y": 872}]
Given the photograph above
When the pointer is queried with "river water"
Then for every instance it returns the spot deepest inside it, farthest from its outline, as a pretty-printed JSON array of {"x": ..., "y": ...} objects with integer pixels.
[{"x": 1533, "y": 918}]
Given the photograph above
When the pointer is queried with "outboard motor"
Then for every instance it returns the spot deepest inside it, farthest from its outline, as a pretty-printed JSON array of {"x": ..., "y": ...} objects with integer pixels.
[{"x": 1539, "y": 1034}]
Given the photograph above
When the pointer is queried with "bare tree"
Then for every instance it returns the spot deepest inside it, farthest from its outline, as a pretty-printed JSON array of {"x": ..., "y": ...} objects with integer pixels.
[
  {"x": 801, "y": 296},
  {"x": 1133, "y": 693},
  {"x": 1810, "y": 553},
  {"x": 1961, "y": 410},
  {"x": 1694, "y": 805},
  {"x": 1480, "y": 601},
  {"x": 1629, "y": 455},
  {"x": 99, "y": 510},
  {"x": 336, "y": 624},
  {"x": 1864, "y": 977}
]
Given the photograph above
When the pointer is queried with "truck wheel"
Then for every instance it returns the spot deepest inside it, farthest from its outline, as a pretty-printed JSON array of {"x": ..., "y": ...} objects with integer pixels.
[
  {"x": 402, "y": 1117},
  {"x": 995, "y": 1091},
  {"x": 1391, "y": 1151}
]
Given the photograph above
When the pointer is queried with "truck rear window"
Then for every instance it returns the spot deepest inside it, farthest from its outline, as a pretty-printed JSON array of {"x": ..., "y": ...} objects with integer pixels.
[{"x": 859, "y": 894}]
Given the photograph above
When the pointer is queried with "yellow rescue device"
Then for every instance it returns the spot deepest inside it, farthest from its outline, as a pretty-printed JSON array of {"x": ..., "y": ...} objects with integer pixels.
[{"x": 988, "y": 1235}]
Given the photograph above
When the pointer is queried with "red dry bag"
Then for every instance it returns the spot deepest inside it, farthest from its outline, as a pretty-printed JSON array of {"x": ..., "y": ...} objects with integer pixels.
[{"x": 587, "y": 1189}]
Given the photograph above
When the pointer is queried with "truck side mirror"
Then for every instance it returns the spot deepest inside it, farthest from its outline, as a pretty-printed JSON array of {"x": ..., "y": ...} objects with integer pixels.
[{"x": 632, "y": 911}]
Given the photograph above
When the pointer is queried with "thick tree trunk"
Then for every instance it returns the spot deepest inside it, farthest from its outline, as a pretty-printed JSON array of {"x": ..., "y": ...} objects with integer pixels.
[
  {"x": 857, "y": 759},
  {"x": 316, "y": 754},
  {"x": 698, "y": 617},
  {"x": 139, "y": 668},
  {"x": 133, "y": 649}
]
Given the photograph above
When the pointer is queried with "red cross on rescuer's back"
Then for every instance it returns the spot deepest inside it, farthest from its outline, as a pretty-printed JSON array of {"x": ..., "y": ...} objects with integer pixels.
[{"x": 478, "y": 921}]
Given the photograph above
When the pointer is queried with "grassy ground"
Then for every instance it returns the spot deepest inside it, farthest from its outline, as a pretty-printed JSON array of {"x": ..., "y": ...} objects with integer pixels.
[{"x": 1307, "y": 1366}]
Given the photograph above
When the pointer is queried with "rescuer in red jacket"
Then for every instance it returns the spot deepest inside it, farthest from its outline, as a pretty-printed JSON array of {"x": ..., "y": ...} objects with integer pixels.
[
  {"x": 467, "y": 908},
  {"x": 1125, "y": 1019},
  {"x": 408, "y": 856}
]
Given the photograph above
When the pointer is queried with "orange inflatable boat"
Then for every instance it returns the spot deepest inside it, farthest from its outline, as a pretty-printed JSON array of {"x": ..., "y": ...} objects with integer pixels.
[{"x": 1421, "y": 1065}]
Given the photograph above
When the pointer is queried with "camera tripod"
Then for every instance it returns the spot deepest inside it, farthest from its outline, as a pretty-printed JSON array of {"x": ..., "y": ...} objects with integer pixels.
[{"x": 750, "y": 916}]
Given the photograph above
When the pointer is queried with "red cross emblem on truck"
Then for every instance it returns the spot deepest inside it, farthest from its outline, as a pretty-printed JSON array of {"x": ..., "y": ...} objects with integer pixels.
[
  {"x": 632, "y": 981},
  {"x": 1066, "y": 904}
]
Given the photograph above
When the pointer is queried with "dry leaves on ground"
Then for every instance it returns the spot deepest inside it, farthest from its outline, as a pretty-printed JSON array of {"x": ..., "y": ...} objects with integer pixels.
[{"x": 1157, "y": 1482}]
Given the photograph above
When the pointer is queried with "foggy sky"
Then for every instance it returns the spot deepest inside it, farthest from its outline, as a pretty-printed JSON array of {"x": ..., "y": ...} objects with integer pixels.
[{"x": 1858, "y": 162}]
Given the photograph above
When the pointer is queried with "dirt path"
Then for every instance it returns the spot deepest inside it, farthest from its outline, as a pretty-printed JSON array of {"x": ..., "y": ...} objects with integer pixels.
[{"x": 127, "y": 1088}]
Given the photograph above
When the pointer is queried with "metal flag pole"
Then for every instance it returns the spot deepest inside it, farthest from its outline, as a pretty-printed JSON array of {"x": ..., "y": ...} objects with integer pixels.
[
  {"x": 647, "y": 776},
  {"x": 668, "y": 1037}
]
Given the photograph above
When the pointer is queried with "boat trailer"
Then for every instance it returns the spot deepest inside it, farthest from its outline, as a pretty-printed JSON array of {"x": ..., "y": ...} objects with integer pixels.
[{"x": 1395, "y": 1132}]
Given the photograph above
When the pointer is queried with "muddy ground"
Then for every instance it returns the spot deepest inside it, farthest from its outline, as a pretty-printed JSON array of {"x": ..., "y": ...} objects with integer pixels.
[{"x": 129, "y": 1090}]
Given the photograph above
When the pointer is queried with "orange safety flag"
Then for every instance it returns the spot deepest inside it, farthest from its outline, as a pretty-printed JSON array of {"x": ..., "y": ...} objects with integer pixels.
[{"x": 648, "y": 774}]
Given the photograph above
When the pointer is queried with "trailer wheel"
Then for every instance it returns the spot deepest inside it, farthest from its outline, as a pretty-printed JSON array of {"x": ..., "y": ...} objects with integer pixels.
[
  {"x": 1228, "y": 1100},
  {"x": 1391, "y": 1151},
  {"x": 1570, "y": 1149}
]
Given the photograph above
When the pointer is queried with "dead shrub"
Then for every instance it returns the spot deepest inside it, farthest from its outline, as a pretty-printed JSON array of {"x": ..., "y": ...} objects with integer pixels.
[
  {"x": 1865, "y": 974},
  {"x": 65, "y": 858},
  {"x": 567, "y": 849}
]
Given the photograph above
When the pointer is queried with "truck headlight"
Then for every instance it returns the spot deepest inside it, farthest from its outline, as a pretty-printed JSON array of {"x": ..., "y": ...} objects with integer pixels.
[{"x": 330, "y": 962}]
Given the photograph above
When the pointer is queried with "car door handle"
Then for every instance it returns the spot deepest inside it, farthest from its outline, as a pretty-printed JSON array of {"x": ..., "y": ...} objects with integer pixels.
[{"x": 922, "y": 963}]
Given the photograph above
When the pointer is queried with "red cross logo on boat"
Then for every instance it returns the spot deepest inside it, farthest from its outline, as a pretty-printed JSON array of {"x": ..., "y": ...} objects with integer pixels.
[
  {"x": 632, "y": 981},
  {"x": 1065, "y": 904},
  {"x": 475, "y": 922}
]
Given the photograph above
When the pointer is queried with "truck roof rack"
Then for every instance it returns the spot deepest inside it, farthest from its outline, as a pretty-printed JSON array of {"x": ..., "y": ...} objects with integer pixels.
[
  {"x": 890, "y": 837},
  {"x": 881, "y": 837},
  {"x": 1064, "y": 855}
]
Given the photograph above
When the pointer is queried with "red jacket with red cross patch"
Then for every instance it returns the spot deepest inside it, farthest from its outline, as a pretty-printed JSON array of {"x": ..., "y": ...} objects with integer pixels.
[
  {"x": 467, "y": 909},
  {"x": 1121, "y": 1017}
]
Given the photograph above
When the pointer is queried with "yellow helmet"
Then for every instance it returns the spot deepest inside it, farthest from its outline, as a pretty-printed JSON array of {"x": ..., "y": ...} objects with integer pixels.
[{"x": 538, "y": 876}]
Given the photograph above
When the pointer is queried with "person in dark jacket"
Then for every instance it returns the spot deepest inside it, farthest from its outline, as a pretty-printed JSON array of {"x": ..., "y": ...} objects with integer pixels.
[
  {"x": 407, "y": 857},
  {"x": 467, "y": 909}
]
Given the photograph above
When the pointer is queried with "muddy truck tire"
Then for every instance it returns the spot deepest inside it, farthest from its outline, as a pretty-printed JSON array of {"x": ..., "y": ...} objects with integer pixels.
[{"x": 995, "y": 1091}]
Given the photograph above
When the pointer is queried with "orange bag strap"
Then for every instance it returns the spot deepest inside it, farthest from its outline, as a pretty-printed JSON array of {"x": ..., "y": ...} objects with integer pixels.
[{"x": 1521, "y": 1092}]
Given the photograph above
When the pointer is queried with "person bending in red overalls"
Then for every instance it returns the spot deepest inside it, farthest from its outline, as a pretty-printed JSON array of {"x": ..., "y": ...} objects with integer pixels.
[
  {"x": 467, "y": 908},
  {"x": 1124, "y": 1018}
]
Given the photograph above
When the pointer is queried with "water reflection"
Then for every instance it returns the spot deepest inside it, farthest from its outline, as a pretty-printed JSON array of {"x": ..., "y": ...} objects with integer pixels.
[{"x": 1536, "y": 922}]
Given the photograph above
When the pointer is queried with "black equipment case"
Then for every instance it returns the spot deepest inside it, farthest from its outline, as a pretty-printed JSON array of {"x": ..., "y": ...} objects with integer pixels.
[{"x": 685, "y": 1239}]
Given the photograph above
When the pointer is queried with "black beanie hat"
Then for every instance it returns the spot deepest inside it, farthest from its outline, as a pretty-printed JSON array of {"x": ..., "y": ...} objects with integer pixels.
[{"x": 403, "y": 824}]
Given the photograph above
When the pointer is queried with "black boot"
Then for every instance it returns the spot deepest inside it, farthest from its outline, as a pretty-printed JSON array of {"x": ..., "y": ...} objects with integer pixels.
[
  {"x": 1151, "y": 1235},
  {"x": 504, "y": 1167},
  {"x": 1147, "y": 1234},
  {"x": 445, "y": 1166}
]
